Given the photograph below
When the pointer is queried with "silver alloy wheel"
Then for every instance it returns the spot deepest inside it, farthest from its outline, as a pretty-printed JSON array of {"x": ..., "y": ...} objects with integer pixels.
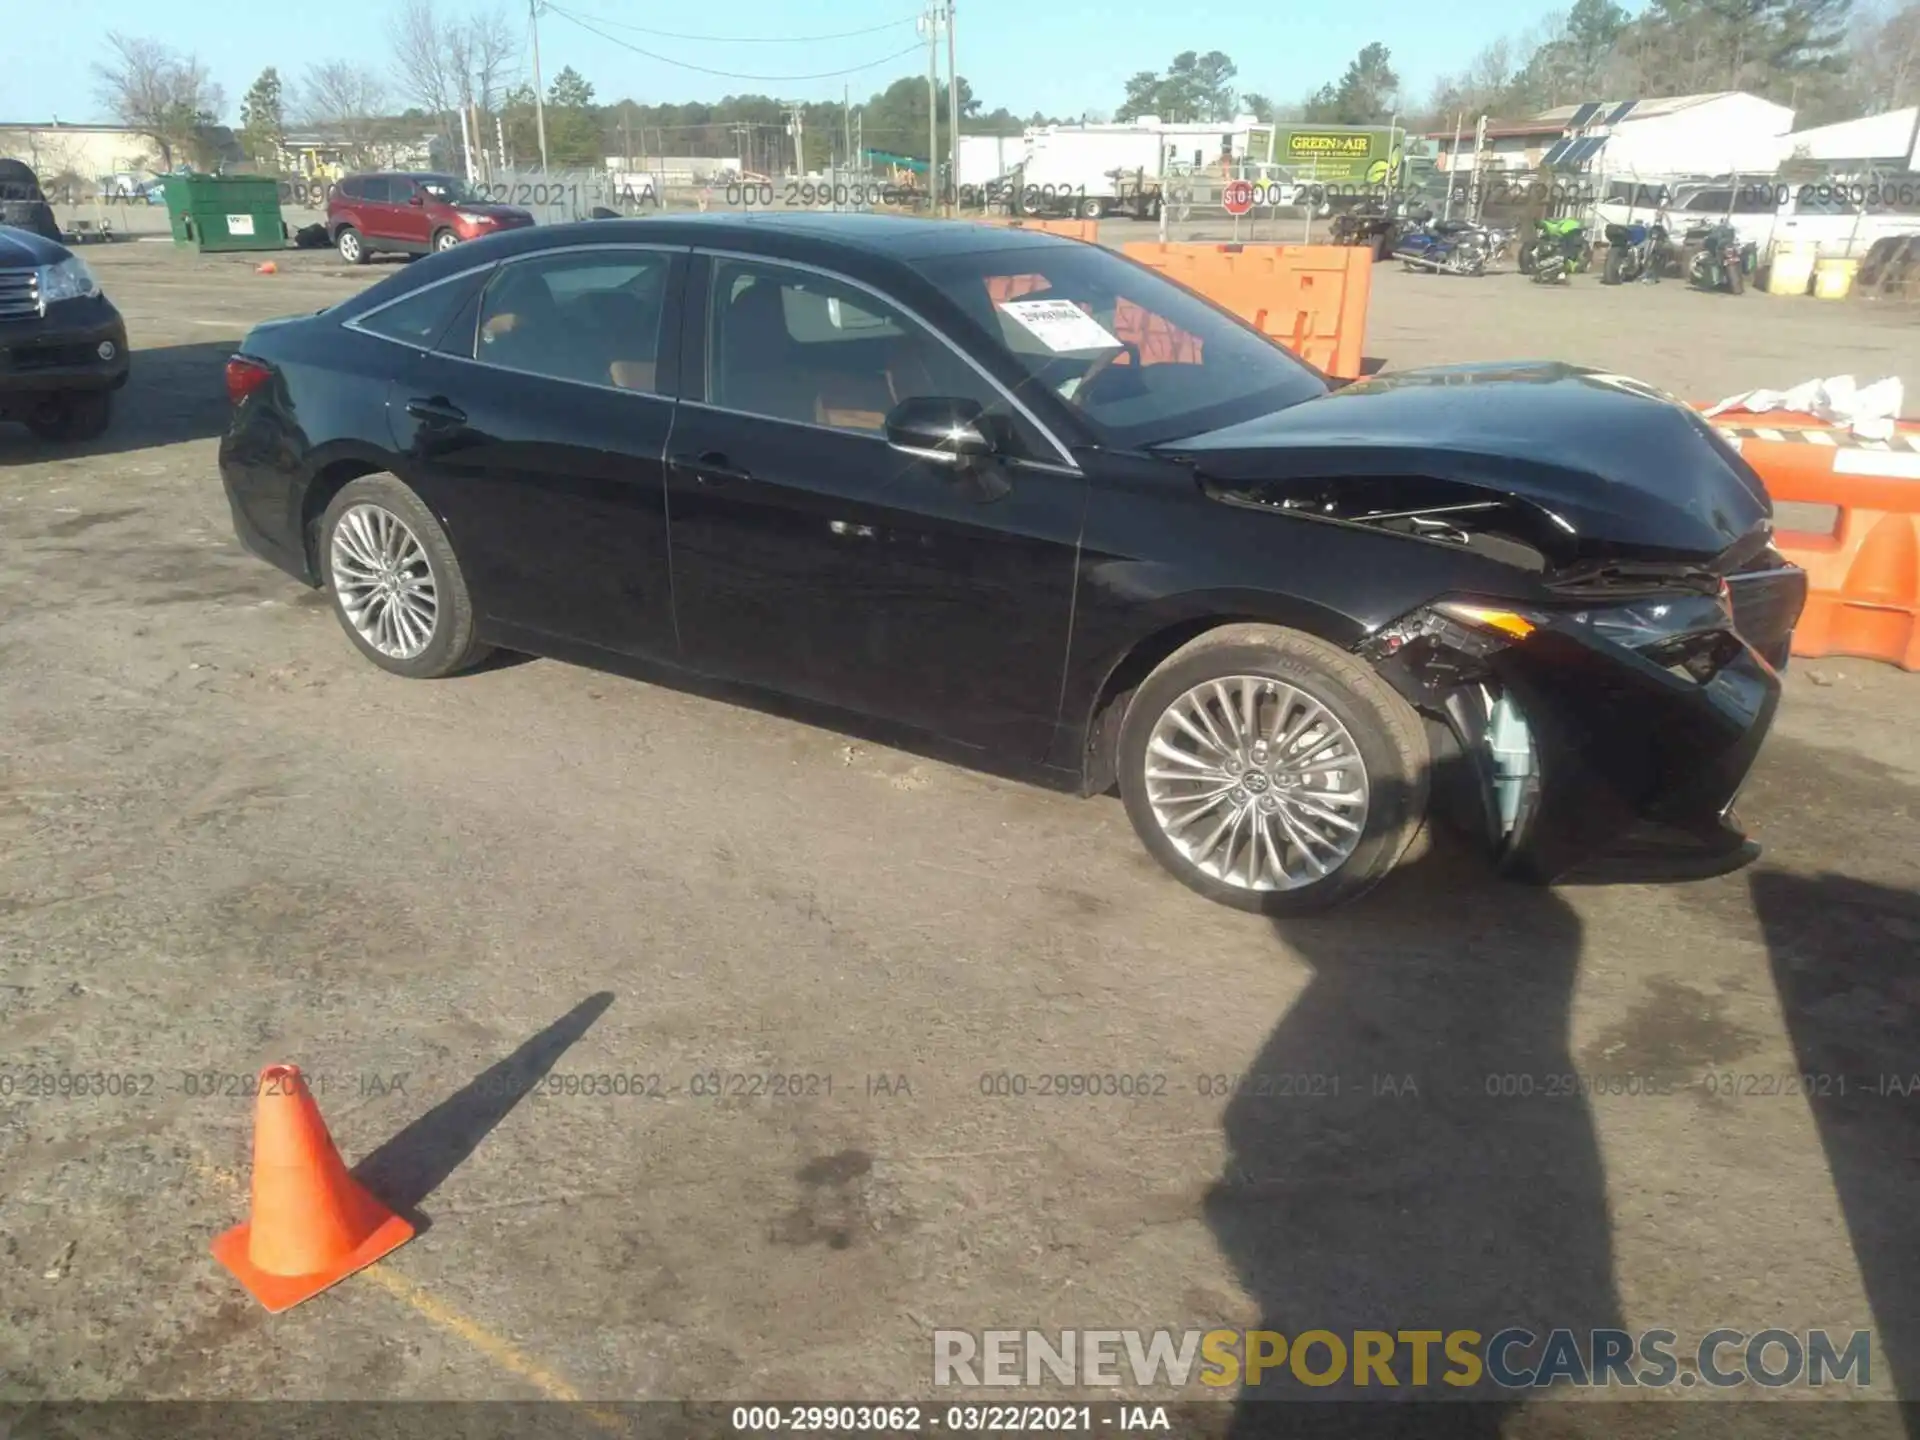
[
  {"x": 349, "y": 246},
  {"x": 1256, "y": 783},
  {"x": 446, "y": 241},
  {"x": 383, "y": 581}
]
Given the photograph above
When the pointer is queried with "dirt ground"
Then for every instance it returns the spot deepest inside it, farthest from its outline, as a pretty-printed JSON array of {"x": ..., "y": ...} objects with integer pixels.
[{"x": 226, "y": 841}]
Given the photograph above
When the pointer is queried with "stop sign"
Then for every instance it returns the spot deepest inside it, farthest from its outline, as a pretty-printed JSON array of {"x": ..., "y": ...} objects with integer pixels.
[{"x": 1238, "y": 197}]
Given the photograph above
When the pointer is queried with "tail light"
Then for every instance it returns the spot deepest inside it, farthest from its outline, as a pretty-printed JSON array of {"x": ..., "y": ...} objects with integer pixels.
[{"x": 244, "y": 376}]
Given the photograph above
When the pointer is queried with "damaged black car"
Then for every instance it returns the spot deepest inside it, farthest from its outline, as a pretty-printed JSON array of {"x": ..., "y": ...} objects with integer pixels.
[{"x": 1024, "y": 495}]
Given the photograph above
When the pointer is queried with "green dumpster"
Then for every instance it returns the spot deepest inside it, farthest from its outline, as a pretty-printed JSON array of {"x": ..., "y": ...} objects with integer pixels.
[{"x": 225, "y": 212}]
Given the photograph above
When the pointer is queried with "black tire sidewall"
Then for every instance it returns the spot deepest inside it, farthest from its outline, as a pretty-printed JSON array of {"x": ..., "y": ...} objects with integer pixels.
[
  {"x": 81, "y": 415},
  {"x": 452, "y": 648},
  {"x": 359, "y": 256},
  {"x": 1396, "y": 765},
  {"x": 444, "y": 240}
]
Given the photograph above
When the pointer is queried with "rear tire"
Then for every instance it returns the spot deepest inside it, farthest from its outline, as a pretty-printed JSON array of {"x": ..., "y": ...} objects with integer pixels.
[
  {"x": 81, "y": 416},
  {"x": 381, "y": 551},
  {"x": 1375, "y": 737},
  {"x": 1616, "y": 268},
  {"x": 1736, "y": 279},
  {"x": 352, "y": 248}
]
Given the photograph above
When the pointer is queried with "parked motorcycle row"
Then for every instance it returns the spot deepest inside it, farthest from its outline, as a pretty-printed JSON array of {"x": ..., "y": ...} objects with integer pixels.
[{"x": 1709, "y": 257}]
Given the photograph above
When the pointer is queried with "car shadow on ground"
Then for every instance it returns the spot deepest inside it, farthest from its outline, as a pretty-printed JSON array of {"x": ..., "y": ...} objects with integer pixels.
[
  {"x": 174, "y": 393},
  {"x": 1383, "y": 1174},
  {"x": 1845, "y": 954}
]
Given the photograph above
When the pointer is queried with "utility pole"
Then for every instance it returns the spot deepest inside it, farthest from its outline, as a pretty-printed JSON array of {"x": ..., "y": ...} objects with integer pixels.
[
  {"x": 932, "y": 22},
  {"x": 539, "y": 100},
  {"x": 846, "y": 125},
  {"x": 953, "y": 121}
]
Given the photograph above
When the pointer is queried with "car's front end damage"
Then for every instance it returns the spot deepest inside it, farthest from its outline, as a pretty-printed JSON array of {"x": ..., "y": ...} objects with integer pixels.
[{"x": 1595, "y": 712}]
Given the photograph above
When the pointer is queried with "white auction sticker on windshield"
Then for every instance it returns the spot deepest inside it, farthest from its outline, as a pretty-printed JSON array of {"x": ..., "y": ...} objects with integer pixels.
[{"x": 1061, "y": 325}]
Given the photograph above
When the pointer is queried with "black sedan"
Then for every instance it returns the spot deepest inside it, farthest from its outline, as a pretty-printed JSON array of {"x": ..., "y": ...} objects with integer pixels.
[{"x": 1024, "y": 494}]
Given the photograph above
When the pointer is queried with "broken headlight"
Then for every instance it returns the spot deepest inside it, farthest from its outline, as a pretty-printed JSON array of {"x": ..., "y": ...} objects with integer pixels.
[{"x": 1690, "y": 632}]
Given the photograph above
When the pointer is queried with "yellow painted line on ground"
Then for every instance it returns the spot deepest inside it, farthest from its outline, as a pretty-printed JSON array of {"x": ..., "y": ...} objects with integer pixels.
[{"x": 444, "y": 1317}]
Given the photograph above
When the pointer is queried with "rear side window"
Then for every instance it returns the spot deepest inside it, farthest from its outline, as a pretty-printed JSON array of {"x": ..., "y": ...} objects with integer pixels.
[
  {"x": 593, "y": 316},
  {"x": 422, "y": 317}
]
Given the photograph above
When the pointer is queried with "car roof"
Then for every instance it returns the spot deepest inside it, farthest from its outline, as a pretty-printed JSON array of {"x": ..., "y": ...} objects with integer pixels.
[{"x": 897, "y": 237}]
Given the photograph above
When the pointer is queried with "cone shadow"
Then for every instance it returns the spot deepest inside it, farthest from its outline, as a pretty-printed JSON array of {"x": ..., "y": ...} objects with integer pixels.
[{"x": 410, "y": 1166}]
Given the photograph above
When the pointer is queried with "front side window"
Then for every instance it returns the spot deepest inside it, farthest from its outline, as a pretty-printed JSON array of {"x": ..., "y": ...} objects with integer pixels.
[
  {"x": 592, "y": 316},
  {"x": 794, "y": 345},
  {"x": 448, "y": 189},
  {"x": 1141, "y": 358}
]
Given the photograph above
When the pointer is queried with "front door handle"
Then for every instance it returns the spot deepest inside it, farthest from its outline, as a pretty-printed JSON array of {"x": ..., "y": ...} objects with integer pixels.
[
  {"x": 710, "y": 467},
  {"x": 437, "y": 411}
]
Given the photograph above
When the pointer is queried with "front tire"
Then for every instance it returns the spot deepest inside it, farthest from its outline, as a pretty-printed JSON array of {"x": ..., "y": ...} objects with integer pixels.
[
  {"x": 352, "y": 248},
  {"x": 444, "y": 240},
  {"x": 81, "y": 416},
  {"x": 1091, "y": 209},
  {"x": 396, "y": 585},
  {"x": 1272, "y": 772}
]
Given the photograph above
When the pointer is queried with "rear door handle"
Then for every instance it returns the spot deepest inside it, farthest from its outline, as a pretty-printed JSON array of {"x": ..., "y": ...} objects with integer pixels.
[
  {"x": 438, "y": 410},
  {"x": 710, "y": 467}
]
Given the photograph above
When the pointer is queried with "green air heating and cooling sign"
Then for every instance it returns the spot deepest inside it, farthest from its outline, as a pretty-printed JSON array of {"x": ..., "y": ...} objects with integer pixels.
[{"x": 1356, "y": 157}]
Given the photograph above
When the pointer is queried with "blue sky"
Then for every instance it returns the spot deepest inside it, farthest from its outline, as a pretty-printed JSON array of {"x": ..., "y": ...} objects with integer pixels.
[{"x": 1060, "y": 56}]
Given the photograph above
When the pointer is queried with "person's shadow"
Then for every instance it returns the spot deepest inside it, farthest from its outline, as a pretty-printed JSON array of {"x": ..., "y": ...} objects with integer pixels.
[{"x": 1405, "y": 1153}]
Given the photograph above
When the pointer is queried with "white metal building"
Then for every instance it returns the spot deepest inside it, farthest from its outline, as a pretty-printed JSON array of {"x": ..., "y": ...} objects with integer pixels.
[
  {"x": 1890, "y": 141},
  {"x": 1728, "y": 132}
]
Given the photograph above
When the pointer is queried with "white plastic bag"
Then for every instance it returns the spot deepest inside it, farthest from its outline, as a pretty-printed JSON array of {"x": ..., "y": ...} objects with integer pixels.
[{"x": 1869, "y": 412}]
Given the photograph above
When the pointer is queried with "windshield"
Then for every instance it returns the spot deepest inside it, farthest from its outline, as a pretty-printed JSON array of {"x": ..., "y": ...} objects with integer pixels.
[
  {"x": 450, "y": 190},
  {"x": 1142, "y": 359}
]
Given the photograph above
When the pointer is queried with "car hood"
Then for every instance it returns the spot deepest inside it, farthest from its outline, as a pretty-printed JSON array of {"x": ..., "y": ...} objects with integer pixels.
[
  {"x": 512, "y": 213},
  {"x": 1607, "y": 468},
  {"x": 24, "y": 248}
]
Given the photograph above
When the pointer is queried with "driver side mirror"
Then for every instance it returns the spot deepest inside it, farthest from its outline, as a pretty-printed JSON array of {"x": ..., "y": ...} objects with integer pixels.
[{"x": 945, "y": 430}]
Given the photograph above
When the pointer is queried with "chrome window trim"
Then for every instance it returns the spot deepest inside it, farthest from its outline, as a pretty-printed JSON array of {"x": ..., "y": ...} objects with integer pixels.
[
  {"x": 1066, "y": 455},
  {"x": 1044, "y": 465}
]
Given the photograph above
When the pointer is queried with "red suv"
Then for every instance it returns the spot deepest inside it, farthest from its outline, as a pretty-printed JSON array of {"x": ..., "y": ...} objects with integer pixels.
[{"x": 411, "y": 214}]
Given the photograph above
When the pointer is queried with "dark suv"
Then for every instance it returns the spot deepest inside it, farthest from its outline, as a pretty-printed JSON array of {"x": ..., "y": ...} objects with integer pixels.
[
  {"x": 63, "y": 347},
  {"x": 411, "y": 214}
]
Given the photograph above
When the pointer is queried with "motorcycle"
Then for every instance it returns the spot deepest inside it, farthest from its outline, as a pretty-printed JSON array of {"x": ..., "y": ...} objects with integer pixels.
[
  {"x": 1559, "y": 250},
  {"x": 1444, "y": 247},
  {"x": 1370, "y": 224},
  {"x": 1637, "y": 252},
  {"x": 1721, "y": 262}
]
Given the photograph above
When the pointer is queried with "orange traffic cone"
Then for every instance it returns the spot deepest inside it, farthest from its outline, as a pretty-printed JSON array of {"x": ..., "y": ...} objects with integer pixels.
[
  {"x": 312, "y": 1224},
  {"x": 269, "y": 268}
]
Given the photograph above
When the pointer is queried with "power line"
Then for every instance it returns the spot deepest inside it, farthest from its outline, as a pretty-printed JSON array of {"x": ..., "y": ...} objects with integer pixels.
[
  {"x": 748, "y": 39},
  {"x": 726, "y": 74}
]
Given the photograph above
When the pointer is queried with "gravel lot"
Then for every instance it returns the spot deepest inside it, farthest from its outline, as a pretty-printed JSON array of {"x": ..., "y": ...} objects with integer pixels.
[{"x": 225, "y": 840}]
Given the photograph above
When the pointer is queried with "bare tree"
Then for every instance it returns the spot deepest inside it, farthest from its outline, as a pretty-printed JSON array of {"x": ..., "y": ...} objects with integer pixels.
[
  {"x": 339, "y": 96},
  {"x": 446, "y": 64},
  {"x": 493, "y": 57},
  {"x": 1886, "y": 56},
  {"x": 162, "y": 95},
  {"x": 426, "y": 64}
]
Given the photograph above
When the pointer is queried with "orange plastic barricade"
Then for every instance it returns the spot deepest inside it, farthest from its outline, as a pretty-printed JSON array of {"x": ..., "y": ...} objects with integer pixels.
[
  {"x": 1863, "y": 576},
  {"x": 1311, "y": 298}
]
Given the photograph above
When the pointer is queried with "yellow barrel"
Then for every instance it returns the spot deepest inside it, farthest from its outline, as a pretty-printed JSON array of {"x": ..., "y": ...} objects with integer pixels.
[
  {"x": 1832, "y": 279},
  {"x": 1791, "y": 270}
]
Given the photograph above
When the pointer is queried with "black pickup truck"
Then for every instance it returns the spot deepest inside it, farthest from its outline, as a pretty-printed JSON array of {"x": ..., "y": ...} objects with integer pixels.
[{"x": 63, "y": 346}]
